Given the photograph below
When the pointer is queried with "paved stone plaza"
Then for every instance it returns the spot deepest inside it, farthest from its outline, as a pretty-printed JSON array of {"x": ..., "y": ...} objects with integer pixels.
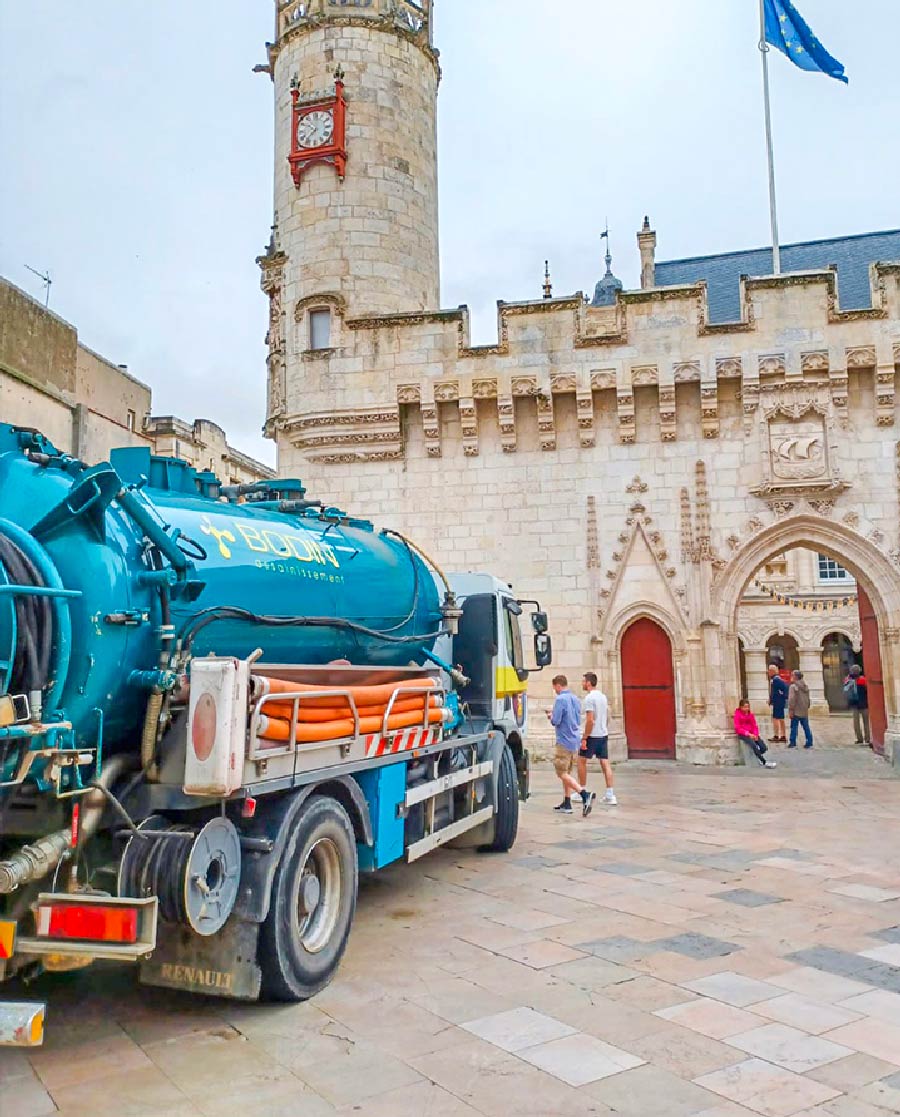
[{"x": 724, "y": 943}]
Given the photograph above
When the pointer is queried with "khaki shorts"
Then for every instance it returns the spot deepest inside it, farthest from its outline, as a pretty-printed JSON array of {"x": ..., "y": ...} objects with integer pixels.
[{"x": 564, "y": 761}]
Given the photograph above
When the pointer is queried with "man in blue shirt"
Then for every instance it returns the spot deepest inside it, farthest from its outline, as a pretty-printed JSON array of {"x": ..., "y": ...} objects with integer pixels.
[{"x": 566, "y": 720}]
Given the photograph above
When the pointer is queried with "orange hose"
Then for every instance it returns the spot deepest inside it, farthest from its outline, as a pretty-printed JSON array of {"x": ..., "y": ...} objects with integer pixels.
[
  {"x": 276, "y": 709},
  {"x": 279, "y": 729},
  {"x": 362, "y": 695}
]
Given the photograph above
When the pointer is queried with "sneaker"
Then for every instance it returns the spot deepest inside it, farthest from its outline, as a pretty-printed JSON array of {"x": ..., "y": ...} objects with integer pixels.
[
  {"x": 792, "y": 746},
  {"x": 610, "y": 798},
  {"x": 565, "y": 807},
  {"x": 770, "y": 764},
  {"x": 588, "y": 798},
  {"x": 809, "y": 746}
]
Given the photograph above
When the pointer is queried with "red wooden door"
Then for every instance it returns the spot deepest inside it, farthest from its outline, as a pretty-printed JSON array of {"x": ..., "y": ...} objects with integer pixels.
[
  {"x": 648, "y": 686},
  {"x": 871, "y": 649}
]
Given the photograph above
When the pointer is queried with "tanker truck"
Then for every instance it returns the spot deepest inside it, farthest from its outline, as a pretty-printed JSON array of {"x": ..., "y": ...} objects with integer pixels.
[{"x": 218, "y": 706}]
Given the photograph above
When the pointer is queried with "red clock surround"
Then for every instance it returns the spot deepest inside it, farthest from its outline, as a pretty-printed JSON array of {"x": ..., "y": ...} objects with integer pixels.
[{"x": 335, "y": 150}]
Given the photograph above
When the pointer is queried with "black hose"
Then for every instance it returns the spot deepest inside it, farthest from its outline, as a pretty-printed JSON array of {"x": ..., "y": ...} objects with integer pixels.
[
  {"x": 34, "y": 625},
  {"x": 201, "y": 620}
]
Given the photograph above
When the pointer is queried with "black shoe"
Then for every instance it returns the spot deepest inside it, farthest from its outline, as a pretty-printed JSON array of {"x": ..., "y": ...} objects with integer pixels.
[
  {"x": 588, "y": 798},
  {"x": 565, "y": 807},
  {"x": 792, "y": 746},
  {"x": 809, "y": 746}
]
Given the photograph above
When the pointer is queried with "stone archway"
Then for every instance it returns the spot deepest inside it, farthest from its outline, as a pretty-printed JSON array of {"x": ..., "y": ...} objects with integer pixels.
[{"x": 873, "y": 570}]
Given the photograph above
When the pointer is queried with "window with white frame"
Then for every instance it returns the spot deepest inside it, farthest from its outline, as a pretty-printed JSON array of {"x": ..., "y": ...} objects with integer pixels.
[
  {"x": 830, "y": 570},
  {"x": 320, "y": 329}
]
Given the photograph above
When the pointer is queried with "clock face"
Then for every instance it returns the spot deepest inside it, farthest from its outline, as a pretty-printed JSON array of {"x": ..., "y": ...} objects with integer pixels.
[{"x": 315, "y": 129}]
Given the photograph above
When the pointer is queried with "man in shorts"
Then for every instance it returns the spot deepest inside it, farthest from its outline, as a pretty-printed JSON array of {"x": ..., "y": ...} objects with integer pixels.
[
  {"x": 566, "y": 720},
  {"x": 595, "y": 738}
]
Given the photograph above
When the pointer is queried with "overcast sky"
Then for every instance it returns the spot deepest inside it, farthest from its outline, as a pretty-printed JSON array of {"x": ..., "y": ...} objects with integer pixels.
[{"x": 137, "y": 168}]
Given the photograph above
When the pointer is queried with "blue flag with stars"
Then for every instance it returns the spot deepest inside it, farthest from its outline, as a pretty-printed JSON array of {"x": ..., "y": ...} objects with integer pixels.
[{"x": 789, "y": 32}]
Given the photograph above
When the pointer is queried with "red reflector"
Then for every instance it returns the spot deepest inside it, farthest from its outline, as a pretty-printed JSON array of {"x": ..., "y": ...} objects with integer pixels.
[
  {"x": 91, "y": 922},
  {"x": 203, "y": 727},
  {"x": 248, "y": 810},
  {"x": 76, "y": 815}
]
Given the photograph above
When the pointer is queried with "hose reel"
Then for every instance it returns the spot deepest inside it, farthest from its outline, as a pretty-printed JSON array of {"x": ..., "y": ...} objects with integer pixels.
[{"x": 195, "y": 876}]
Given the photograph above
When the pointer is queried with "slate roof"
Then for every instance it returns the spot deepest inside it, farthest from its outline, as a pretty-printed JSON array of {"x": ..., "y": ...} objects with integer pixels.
[{"x": 851, "y": 255}]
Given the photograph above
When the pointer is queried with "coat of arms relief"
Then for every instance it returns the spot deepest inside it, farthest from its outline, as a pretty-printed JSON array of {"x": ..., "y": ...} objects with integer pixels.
[{"x": 799, "y": 455}]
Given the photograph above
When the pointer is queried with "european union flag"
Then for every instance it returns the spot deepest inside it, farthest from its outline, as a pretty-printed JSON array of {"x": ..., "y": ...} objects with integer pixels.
[{"x": 789, "y": 32}]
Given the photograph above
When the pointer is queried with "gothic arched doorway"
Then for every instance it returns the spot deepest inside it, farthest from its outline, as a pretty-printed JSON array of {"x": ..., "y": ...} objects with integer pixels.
[{"x": 648, "y": 691}]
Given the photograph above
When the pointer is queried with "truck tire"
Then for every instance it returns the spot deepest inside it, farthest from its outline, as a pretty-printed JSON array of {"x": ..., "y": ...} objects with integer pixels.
[
  {"x": 506, "y": 825},
  {"x": 312, "y": 905}
]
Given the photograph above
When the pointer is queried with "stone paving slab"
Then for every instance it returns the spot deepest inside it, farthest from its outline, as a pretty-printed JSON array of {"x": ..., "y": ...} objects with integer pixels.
[{"x": 740, "y": 958}]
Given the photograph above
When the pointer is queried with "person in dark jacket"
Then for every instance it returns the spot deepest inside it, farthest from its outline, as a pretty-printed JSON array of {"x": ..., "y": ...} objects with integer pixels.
[
  {"x": 778, "y": 696},
  {"x": 857, "y": 690},
  {"x": 798, "y": 710}
]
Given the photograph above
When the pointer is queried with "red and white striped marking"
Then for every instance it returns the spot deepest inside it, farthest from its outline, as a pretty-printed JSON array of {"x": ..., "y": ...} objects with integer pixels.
[{"x": 404, "y": 741}]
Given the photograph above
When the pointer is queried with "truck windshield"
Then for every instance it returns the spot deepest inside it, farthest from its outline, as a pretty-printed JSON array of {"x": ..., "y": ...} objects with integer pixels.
[{"x": 514, "y": 639}]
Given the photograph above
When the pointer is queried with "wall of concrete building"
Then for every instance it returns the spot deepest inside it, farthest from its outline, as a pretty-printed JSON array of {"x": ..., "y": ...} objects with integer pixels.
[{"x": 88, "y": 405}]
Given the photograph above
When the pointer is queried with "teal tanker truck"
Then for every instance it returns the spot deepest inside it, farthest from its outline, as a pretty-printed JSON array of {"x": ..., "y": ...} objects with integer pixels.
[{"x": 219, "y": 705}]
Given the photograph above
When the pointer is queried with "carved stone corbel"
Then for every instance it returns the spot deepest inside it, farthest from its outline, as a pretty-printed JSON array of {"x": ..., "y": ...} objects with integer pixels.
[
  {"x": 667, "y": 413},
  {"x": 709, "y": 405},
  {"x": 546, "y": 420},
  {"x": 468, "y": 418},
  {"x": 506, "y": 417},
  {"x": 625, "y": 407},
  {"x": 584, "y": 405}
]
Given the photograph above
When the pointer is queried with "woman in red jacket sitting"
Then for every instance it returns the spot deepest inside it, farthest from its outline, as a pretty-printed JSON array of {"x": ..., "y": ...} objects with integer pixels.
[{"x": 748, "y": 731}]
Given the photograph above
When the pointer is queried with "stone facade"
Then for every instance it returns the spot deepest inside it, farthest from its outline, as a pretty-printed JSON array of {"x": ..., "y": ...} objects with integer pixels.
[
  {"x": 85, "y": 404},
  {"x": 618, "y": 462}
]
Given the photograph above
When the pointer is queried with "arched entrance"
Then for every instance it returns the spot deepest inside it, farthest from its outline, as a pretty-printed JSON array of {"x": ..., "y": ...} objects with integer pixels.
[
  {"x": 648, "y": 691},
  {"x": 878, "y": 580}
]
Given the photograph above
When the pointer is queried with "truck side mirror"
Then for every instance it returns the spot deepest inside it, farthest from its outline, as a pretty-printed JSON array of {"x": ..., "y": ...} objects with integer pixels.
[
  {"x": 543, "y": 650},
  {"x": 540, "y": 622}
]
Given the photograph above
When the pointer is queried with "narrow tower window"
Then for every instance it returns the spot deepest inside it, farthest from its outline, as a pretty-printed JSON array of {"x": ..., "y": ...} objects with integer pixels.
[{"x": 319, "y": 329}]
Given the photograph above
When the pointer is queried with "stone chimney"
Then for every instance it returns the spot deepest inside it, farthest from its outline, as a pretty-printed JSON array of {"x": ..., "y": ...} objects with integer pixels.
[{"x": 647, "y": 245}]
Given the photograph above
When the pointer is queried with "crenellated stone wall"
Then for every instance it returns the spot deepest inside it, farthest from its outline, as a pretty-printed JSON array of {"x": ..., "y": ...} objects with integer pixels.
[{"x": 625, "y": 461}]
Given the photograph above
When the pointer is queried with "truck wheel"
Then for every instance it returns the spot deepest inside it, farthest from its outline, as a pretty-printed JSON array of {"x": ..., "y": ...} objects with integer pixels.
[
  {"x": 313, "y": 901},
  {"x": 506, "y": 825}
]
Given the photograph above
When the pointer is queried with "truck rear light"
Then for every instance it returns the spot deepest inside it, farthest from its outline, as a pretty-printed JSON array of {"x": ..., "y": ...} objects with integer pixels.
[
  {"x": 248, "y": 810},
  {"x": 93, "y": 923}
]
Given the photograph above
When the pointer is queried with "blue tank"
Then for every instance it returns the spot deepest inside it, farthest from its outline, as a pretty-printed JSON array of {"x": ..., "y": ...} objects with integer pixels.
[{"x": 117, "y": 550}]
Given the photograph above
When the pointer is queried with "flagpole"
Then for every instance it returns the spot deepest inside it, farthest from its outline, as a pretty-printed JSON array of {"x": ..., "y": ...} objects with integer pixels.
[{"x": 770, "y": 147}]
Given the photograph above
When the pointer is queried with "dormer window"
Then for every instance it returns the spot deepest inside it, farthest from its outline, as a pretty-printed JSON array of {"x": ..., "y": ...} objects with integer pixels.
[{"x": 320, "y": 329}]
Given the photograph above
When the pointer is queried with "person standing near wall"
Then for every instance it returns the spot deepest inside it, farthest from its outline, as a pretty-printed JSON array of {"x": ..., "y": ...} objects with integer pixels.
[
  {"x": 857, "y": 691},
  {"x": 595, "y": 736},
  {"x": 778, "y": 696},
  {"x": 798, "y": 710}
]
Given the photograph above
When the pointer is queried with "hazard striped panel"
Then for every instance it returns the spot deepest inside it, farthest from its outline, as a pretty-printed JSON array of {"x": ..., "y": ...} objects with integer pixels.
[{"x": 405, "y": 741}]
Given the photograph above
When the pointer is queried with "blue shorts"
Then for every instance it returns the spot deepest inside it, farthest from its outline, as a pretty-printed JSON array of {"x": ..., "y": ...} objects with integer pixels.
[
  {"x": 596, "y": 747},
  {"x": 778, "y": 712}
]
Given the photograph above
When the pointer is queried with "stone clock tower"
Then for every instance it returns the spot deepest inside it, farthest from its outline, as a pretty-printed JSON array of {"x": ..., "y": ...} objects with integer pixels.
[{"x": 356, "y": 203}]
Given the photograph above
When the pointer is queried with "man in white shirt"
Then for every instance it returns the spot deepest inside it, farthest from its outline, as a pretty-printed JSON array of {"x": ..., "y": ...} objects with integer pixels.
[{"x": 595, "y": 738}]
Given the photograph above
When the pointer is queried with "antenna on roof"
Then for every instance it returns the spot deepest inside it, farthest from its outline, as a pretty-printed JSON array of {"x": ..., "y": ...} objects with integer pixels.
[{"x": 45, "y": 279}]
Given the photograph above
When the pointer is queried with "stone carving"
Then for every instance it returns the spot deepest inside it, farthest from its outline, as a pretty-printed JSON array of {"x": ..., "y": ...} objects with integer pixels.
[
  {"x": 638, "y": 486},
  {"x": 584, "y": 406},
  {"x": 506, "y": 417},
  {"x": 862, "y": 356},
  {"x": 797, "y": 448},
  {"x": 446, "y": 392},
  {"x": 546, "y": 421},
  {"x": 593, "y": 539},
  {"x": 602, "y": 380},
  {"x": 688, "y": 553},
  {"x": 851, "y": 519},
  {"x": 524, "y": 386},
  {"x": 734, "y": 542},
  {"x": 815, "y": 362},
  {"x": 667, "y": 427},
  {"x": 728, "y": 368},
  {"x": 687, "y": 371},
  {"x": 823, "y": 507},
  {"x": 755, "y": 524},
  {"x": 876, "y": 537},
  {"x": 484, "y": 389},
  {"x": 773, "y": 365},
  {"x": 645, "y": 375},
  {"x": 432, "y": 429},
  {"x": 409, "y": 393},
  {"x": 781, "y": 507},
  {"x": 562, "y": 383},
  {"x": 704, "y": 527},
  {"x": 468, "y": 417}
]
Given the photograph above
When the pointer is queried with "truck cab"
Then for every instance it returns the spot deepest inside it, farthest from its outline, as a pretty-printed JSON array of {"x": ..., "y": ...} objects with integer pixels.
[{"x": 490, "y": 651}]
